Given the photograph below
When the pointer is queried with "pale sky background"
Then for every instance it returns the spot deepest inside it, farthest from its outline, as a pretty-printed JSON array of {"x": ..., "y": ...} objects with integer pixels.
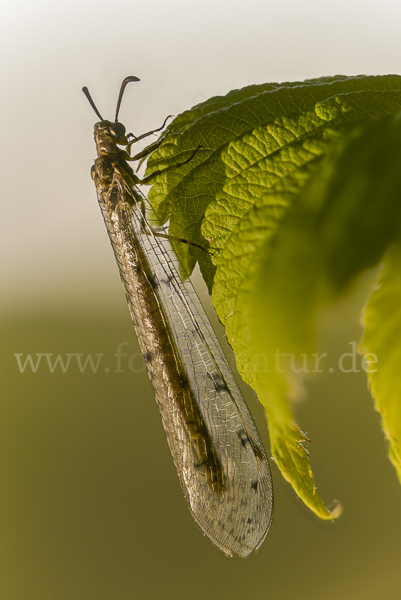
[{"x": 53, "y": 247}]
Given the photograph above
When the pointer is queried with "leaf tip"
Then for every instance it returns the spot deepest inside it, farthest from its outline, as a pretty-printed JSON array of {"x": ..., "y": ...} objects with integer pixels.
[{"x": 336, "y": 512}]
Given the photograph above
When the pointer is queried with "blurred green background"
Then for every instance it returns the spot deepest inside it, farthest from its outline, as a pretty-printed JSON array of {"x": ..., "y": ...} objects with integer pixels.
[{"x": 91, "y": 508}]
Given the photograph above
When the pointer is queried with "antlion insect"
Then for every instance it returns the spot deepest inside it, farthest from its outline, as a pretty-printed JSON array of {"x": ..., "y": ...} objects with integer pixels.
[{"x": 216, "y": 448}]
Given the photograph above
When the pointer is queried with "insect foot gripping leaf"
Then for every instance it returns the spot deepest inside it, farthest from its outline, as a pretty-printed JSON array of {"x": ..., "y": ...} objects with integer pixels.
[{"x": 286, "y": 190}]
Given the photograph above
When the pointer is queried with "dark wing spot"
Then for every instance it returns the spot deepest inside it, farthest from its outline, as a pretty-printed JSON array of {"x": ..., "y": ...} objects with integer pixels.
[
  {"x": 153, "y": 282},
  {"x": 254, "y": 485},
  {"x": 184, "y": 381},
  {"x": 258, "y": 452},
  {"x": 148, "y": 357},
  {"x": 243, "y": 437},
  {"x": 218, "y": 382}
]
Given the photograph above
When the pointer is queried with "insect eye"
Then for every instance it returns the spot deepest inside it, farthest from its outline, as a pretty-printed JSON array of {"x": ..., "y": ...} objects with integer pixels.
[{"x": 117, "y": 130}]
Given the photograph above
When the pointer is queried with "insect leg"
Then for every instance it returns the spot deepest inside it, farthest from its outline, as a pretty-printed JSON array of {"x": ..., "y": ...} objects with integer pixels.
[
  {"x": 144, "y": 135},
  {"x": 151, "y": 176},
  {"x": 167, "y": 236}
]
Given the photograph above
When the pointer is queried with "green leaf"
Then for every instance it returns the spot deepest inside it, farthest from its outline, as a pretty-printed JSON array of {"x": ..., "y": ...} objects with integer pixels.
[
  {"x": 381, "y": 346},
  {"x": 278, "y": 192},
  {"x": 183, "y": 195},
  {"x": 341, "y": 224}
]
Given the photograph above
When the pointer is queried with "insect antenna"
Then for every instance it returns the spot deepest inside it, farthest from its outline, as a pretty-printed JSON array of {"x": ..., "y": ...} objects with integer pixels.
[
  {"x": 124, "y": 84},
  {"x": 93, "y": 105}
]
